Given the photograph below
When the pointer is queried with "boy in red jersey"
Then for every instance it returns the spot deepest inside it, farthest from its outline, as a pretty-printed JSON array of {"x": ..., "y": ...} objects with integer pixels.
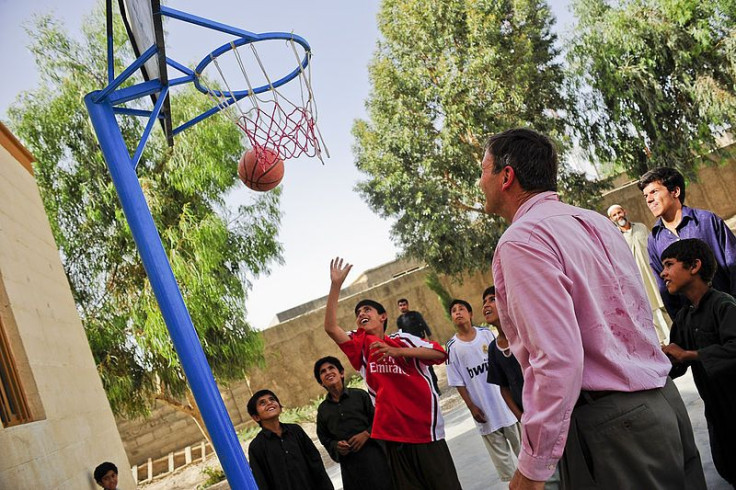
[{"x": 395, "y": 368}]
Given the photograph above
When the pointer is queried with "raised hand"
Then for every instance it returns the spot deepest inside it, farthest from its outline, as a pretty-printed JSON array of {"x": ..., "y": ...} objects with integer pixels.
[{"x": 339, "y": 270}]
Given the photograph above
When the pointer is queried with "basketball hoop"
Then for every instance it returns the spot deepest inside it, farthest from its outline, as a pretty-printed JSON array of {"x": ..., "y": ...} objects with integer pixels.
[{"x": 269, "y": 117}]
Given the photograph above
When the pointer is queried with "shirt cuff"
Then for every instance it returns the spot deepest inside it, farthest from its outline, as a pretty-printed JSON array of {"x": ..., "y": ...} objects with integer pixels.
[{"x": 538, "y": 469}]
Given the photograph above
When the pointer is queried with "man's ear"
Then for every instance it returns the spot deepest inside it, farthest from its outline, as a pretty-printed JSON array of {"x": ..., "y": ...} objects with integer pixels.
[
  {"x": 508, "y": 177},
  {"x": 256, "y": 418},
  {"x": 676, "y": 192}
]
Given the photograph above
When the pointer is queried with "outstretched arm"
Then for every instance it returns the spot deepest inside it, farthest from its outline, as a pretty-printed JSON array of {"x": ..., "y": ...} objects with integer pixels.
[
  {"x": 381, "y": 351},
  {"x": 338, "y": 272}
]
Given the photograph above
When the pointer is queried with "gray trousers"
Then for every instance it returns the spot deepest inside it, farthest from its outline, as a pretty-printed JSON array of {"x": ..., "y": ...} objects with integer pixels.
[
  {"x": 503, "y": 446},
  {"x": 632, "y": 441}
]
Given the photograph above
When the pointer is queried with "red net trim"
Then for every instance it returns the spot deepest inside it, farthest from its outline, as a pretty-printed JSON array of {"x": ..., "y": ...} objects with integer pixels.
[{"x": 290, "y": 135}]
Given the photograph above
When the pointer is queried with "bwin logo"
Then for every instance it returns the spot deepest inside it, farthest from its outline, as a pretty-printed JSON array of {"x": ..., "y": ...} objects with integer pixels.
[{"x": 476, "y": 371}]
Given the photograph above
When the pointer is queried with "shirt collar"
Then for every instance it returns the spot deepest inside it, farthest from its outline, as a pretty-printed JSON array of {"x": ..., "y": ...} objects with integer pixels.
[
  {"x": 268, "y": 433},
  {"x": 540, "y": 198},
  {"x": 702, "y": 300},
  {"x": 345, "y": 394},
  {"x": 687, "y": 214}
]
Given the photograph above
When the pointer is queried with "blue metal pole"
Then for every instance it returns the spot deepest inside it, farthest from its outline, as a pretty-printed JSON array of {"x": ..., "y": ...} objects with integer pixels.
[{"x": 169, "y": 297}]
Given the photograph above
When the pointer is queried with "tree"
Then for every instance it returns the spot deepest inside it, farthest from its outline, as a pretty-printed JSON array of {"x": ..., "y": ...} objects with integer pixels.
[
  {"x": 656, "y": 78},
  {"x": 445, "y": 75},
  {"x": 213, "y": 251}
]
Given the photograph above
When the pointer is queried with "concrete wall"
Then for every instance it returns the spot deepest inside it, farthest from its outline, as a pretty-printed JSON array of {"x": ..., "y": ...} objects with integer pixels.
[
  {"x": 292, "y": 347},
  {"x": 715, "y": 190},
  {"x": 73, "y": 428}
]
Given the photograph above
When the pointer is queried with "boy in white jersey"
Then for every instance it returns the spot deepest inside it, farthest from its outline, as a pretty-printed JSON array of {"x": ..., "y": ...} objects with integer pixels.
[
  {"x": 467, "y": 368},
  {"x": 395, "y": 369}
]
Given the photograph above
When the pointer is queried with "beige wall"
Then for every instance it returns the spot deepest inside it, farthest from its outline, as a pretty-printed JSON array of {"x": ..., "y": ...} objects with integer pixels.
[
  {"x": 291, "y": 348},
  {"x": 73, "y": 428}
]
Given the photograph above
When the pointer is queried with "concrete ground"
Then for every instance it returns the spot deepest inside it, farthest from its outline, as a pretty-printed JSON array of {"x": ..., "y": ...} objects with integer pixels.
[{"x": 474, "y": 466}]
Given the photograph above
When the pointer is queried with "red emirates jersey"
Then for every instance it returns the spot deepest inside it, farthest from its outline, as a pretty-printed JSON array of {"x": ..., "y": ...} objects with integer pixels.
[{"x": 407, "y": 405}]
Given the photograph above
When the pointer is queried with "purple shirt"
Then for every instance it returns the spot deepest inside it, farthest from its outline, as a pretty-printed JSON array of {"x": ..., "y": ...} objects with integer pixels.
[
  {"x": 572, "y": 303},
  {"x": 706, "y": 226}
]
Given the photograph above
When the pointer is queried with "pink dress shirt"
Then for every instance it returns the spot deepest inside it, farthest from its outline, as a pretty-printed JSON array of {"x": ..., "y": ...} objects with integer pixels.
[{"x": 573, "y": 306}]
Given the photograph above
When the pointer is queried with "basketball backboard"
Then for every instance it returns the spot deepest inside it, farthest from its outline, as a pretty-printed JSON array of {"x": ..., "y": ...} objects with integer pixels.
[{"x": 142, "y": 19}]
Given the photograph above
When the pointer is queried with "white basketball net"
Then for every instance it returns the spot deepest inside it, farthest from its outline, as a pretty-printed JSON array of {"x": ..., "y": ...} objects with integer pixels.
[{"x": 270, "y": 119}]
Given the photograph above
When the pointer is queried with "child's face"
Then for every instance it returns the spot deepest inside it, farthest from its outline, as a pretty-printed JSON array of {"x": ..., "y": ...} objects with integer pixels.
[
  {"x": 329, "y": 375},
  {"x": 460, "y": 314},
  {"x": 677, "y": 275},
  {"x": 110, "y": 480},
  {"x": 489, "y": 309},
  {"x": 267, "y": 408},
  {"x": 370, "y": 320}
]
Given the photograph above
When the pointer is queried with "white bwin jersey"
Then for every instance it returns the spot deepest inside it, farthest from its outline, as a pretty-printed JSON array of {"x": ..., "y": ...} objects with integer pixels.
[{"x": 467, "y": 365}]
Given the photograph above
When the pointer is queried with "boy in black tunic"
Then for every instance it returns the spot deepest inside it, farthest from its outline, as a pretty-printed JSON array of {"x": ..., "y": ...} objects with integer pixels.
[
  {"x": 344, "y": 421},
  {"x": 282, "y": 456},
  {"x": 703, "y": 337}
]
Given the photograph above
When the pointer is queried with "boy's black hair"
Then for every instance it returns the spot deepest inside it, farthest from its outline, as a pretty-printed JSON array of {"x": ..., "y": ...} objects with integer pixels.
[
  {"x": 102, "y": 470},
  {"x": 254, "y": 400},
  {"x": 327, "y": 360},
  {"x": 489, "y": 290},
  {"x": 460, "y": 302},
  {"x": 668, "y": 177},
  {"x": 402, "y": 300},
  {"x": 687, "y": 251},
  {"x": 532, "y": 155},
  {"x": 375, "y": 304}
]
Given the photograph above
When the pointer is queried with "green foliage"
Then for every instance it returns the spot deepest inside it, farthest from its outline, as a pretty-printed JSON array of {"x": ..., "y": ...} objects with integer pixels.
[
  {"x": 213, "y": 474},
  {"x": 249, "y": 432},
  {"x": 445, "y": 75},
  {"x": 656, "y": 79},
  {"x": 297, "y": 415},
  {"x": 355, "y": 381},
  {"x": 214, "y": 251},
  {"x": 432, "y": 281}
]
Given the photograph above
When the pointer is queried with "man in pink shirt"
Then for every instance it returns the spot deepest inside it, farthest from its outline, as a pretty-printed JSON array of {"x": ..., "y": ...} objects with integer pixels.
[{"x": 596, "y": 393}]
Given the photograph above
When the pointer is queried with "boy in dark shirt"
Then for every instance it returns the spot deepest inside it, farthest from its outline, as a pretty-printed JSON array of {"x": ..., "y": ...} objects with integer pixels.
[
  {"x": 344, "y": 421},
  {"x": 503, "y": 368},
  {"x": 703, "y": 337},
  {"x": 282, "y": 456}
]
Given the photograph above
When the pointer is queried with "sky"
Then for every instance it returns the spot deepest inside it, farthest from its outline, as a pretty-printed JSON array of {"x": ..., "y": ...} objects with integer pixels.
[{"x": 323, "y": 216}]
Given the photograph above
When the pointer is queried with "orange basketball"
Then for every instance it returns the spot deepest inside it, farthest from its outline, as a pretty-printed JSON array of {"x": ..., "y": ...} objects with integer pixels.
[{"x": 261, "y": 169}]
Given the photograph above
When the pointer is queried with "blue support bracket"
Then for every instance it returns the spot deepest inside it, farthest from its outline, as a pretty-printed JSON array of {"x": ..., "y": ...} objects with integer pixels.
[{"x": 147, "y": 131}]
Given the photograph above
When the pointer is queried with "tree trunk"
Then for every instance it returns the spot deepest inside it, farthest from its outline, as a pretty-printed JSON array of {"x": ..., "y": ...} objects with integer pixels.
[{"x": 191, "y": 409}]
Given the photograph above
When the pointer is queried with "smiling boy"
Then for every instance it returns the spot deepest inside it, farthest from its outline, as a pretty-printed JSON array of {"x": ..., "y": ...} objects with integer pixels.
[
  {"x": 282, "y": 456},
  {"x": 344, "y": 421},
  {"x": 703, "y": 337},
  {"x": 395, "y": 369}
]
